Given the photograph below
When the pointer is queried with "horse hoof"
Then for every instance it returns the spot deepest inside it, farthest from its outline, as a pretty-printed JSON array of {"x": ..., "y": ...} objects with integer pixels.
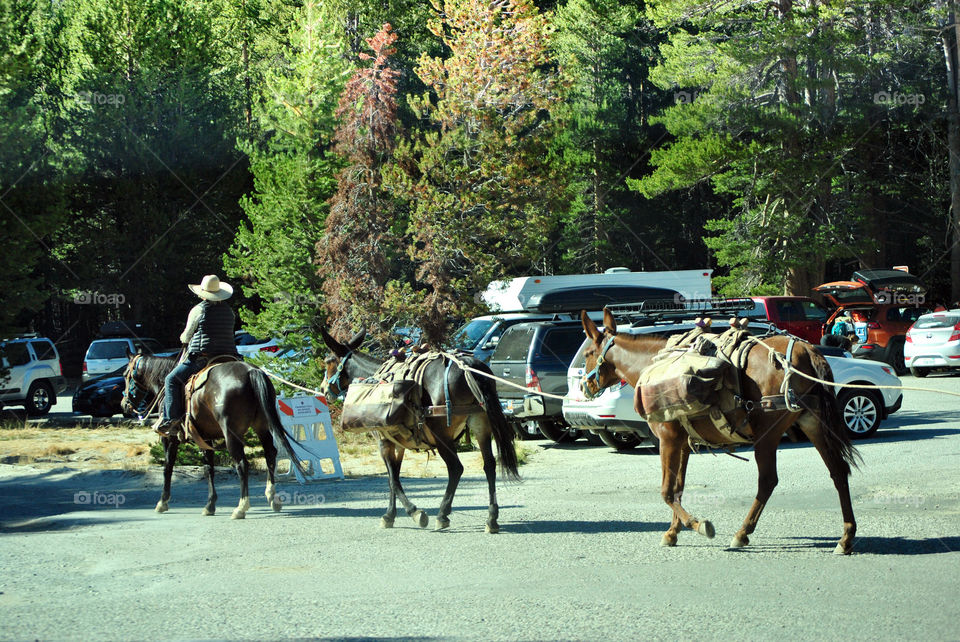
[
  {"x": 493, "y": 528},
  {"x": 386, "y": 523},
  {"x": 739, "y": 542},
  {"x": 666, "y": 540},
  {"x": 840, "y": 550},
  {"x": 206, "y": 512},
  {"x": 420, "y": 518},
  {"x": 162, "y": 507},
  {"x": 238, "y": 514},
  {"x": 276, "y": 505},
  {"x": 442, "y": 523},
  {"x": 706, "y": 529}
]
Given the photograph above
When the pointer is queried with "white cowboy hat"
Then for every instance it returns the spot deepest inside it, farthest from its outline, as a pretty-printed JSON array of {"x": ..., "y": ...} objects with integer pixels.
[{"x": 212, "y": 289}]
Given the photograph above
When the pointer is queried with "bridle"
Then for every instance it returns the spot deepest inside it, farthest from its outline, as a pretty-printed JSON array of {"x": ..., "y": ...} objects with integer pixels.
[
  {"x": 134, "y": 390},
  {"x": 594, "y": 375},
  {"x": 335, "y": 379}
]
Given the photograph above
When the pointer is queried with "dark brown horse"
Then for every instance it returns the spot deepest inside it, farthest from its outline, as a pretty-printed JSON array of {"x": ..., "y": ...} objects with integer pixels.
[
  {"x": 235, "y": 397},
  {"x": 440, "y": 377},
  {"x": 623, "y": 356}
]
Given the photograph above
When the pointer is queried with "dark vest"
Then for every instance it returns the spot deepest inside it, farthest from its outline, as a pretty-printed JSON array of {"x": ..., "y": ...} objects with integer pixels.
[{"x": 214, "y": 333}]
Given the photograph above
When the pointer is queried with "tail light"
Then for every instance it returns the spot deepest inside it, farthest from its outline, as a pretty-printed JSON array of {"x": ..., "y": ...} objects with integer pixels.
[
  {"x": 532, "y": 380},
  {"x": 955, "y": 336},
  {"x": 59, "y": 363},
  {"x": 84, "y": 366},
  {"x": 270, "y": 349},
  {"x": 873, "y": 325},
  {"x": 909, "y": 339}
]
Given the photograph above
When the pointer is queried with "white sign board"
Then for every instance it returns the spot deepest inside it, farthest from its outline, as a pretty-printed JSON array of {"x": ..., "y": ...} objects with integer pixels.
[{"x": 306, "y": 419}]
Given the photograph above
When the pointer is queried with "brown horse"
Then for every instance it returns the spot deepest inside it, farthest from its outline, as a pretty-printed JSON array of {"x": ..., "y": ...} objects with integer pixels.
[
  {"x": 235, "y": 397},
  {"x": 611, "y": 357},
  {"x": 443, "y": 381}
]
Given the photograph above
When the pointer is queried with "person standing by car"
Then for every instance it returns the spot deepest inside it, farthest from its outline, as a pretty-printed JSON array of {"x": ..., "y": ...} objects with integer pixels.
[{"x": 209, "y": 333}]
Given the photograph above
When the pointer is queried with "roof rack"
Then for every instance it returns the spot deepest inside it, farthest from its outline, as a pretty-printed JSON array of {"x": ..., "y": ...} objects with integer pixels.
[{"x": 679, "y": 306}]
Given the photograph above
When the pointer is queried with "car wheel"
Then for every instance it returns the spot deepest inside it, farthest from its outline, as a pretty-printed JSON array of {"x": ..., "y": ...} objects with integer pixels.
[
  {"x": 557, "y": 431},
  {"x": 919, "y": 372},
  {"x": 895, "y": 358},
  {"x": 621, "y": 441},
  {"x": 40, "y": 399},
  {"x": 860, "y": 411}
]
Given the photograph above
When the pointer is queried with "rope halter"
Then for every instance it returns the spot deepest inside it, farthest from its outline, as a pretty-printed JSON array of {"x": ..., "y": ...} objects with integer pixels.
[{"x": 594, "y": 375}]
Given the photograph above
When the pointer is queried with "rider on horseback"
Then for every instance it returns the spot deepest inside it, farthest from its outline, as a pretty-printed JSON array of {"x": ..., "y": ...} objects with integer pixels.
[{"x": 209, "y": 333}]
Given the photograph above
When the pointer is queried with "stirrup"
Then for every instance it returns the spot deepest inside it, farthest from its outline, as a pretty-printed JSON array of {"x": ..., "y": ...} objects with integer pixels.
[{"x": 169, "y": 428}]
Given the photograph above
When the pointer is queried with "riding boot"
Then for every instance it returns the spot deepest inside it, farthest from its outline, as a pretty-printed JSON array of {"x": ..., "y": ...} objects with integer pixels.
[{"x": 169, "y": 428}]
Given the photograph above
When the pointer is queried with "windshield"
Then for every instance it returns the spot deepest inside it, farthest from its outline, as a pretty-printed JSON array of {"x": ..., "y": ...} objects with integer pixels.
[{"x": 469, "y": 336}]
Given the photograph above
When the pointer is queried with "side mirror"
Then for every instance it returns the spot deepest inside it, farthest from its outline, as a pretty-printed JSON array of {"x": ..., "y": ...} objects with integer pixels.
[{"x": 491, "y": 344}]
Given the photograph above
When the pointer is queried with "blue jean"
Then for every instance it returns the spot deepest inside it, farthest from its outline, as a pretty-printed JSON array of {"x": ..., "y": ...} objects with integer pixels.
[{"x": 173, "y": 385}]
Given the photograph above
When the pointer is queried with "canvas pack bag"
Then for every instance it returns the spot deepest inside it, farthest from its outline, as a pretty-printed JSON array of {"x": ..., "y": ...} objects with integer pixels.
[
  {"x": 680, "y": 384},
  {"x": 388, "y": 406}
]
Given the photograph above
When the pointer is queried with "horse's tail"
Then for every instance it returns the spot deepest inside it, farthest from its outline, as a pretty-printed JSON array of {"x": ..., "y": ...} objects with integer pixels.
[
  {"x": 834, "y": 431},
  {"x": 503, "y": 433},
  {"x": 267, "y": 398}
]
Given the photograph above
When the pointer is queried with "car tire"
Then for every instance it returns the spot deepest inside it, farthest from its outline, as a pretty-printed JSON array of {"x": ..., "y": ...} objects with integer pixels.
[
  {"x": 861, "y": 412},
  {"x": 895, "y": 358},
  {"x": 557, "y": 431},
  {"x": 40, "y": 399},
  {"x": 919, "y": 372},
  {"x": 620, "y": 441}
]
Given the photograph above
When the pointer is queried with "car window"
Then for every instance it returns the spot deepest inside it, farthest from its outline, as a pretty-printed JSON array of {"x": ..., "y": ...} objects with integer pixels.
[
  {"x": 814, "y": 312},
  {"x": 928, "y": 322},
  {"x": 151, "y": 346},
  {"x": 467, "y": 337},
  {"x": 561, "y": 343},
  {"x": 107, "y": 350},
  {"x": 16, "y": 354},
  {"x": 514, "y": 345},
  {"x": 44, "y": 350},
  {"x": 759, "y": 311},
  {"x": 789, "y": 311},
  {"x": 905, "y": 315}
]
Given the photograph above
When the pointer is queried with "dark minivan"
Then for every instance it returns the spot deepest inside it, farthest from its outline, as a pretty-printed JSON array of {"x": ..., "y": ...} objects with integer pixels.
[{"x": 536, "y": 356}]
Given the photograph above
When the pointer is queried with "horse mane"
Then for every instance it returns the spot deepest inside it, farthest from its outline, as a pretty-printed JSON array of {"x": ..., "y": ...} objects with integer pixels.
[
  {"x": 641, "y": 341},
  {"x": 154, "y": 369}
]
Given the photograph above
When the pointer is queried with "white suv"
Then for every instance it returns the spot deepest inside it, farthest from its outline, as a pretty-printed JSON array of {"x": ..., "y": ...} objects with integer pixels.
[
  {"x": 31, "y": 375},
  {"x": 612, "y": 417},
  {"x": 107, "y": 356}
]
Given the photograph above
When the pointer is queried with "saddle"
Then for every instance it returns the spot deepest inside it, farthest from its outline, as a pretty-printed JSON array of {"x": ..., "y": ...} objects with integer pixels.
[
  {"x": 195, "y": 383},
  {"x": 390, "y": 402}
]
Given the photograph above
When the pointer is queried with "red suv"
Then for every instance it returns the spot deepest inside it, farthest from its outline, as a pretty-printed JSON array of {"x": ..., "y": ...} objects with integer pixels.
[
  {"x": 883, "y": 304},
  {"x": 801, "y": 316}
]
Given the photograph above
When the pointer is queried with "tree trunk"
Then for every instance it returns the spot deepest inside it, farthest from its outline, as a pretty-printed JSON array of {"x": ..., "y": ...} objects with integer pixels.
[{"x": 949, "y": 40}]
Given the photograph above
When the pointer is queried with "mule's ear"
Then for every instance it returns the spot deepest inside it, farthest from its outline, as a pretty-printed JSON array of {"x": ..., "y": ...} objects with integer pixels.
[
  {"x": 338, "y": 348},
  {"x": 590, "y": 327},
  {"x": 609, "y": 323},
  {"x": 357, "y": 340}
]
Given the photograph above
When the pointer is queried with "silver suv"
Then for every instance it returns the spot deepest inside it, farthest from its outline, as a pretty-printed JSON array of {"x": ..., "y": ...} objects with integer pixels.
[
  {"x": 31, "y": 375},
  {"x": 104, "y": 356}
]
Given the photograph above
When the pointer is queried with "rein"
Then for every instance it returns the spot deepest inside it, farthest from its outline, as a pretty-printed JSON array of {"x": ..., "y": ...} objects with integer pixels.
[{"x": 335, "y": 379}]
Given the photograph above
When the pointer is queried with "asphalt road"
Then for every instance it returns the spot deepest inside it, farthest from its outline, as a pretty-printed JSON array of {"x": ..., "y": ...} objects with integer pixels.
[{"x": 84, "y": 555}]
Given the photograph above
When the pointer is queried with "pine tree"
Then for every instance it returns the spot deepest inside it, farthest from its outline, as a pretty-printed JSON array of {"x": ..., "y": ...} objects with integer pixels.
[
  {"x": 274, "y": 253},
  {"x": 475, "y": 173},
  {"x": 358, "y": 250}
]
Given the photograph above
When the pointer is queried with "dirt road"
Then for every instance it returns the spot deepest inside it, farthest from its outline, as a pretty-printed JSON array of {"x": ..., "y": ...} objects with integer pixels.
[{"x": 84, "y": 555}]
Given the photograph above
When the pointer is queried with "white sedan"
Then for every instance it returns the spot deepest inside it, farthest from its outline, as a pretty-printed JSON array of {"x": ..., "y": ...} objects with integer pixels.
[{"x": 611, "y": 415}]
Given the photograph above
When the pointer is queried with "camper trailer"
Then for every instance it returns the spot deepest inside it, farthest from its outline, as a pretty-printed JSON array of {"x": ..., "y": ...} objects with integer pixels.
[{"x": 542, "y": 298}]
